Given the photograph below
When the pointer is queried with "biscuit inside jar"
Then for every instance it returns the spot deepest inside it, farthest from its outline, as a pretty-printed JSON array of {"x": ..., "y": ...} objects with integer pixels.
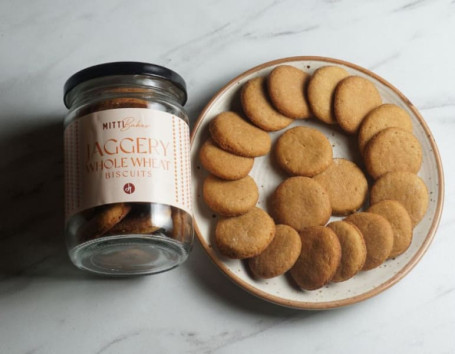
[
  {"x": 140, "y": 220},
  {"x": 122, "y": 219},
  {"x": 127, "y": 169},
  {"x": 131, "y": 218}
]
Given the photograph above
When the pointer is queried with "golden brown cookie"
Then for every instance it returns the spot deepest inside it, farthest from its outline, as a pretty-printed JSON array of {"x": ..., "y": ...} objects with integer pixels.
[
  {"x": 319, "y": 258},
  {"x": 407, "y": 188},
  {"x": 353, "y": 250},
  {"x": 103, "y": 221},
  {"x": 378, "y": 236},
  {"x": 346, "y": 185},
  {"x": 230, "y": 198},
  {"x": 385, "y": 116},
  {"x": 258, "y": 109},
  {"x": 354, "y": 98},
  {"x": 182, "y": 225},
  {"x": 392, "y": 149},
  {"x": 303, "y": 151},
  {"x": 321, "y": 90},
  {"x": 279, "y": 256},
  {"x": 400, "y": 221},
  {"x": 113, "y": 103},
  {"x": 246, "y": 235},
  {"x": 233, "y": 134},
  {"x": 137, "y": 223},
  {"x": 286, "y": 86},
  {"x": 223, "y": 164},
  {"x": 301, "y": 202}
]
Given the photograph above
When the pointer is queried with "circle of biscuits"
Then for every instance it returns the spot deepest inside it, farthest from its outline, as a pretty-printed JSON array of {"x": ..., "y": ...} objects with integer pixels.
[{"x": 318, "y": 185}]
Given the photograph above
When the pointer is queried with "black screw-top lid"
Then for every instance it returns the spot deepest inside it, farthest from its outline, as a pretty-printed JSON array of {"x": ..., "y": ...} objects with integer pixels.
[{"x": 124, "y": 68}]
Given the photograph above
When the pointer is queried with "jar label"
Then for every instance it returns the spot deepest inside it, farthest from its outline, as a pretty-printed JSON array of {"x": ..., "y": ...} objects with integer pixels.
[{"x": 127, "y": 155}]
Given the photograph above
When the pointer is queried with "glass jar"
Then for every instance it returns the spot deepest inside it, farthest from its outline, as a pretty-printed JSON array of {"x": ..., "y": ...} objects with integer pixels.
[{"x": 127, "y": 169}]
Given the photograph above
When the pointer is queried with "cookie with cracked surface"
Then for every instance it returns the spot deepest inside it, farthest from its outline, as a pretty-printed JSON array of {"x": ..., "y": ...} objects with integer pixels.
[
  {"x": 230, "y": 198},
  {"x": 224, "y": 164},
  {"x": 286, "y": 87},
  {"x": 279, "y": 256},
  {"x": 354, "y": 98},
  {"x": 385, "y": 116},
  {"x": 303, "y": 151},
  {"x": 378, "y": 235},
  {"x": 407, "y": 188},
  {"x": 353, "y": 250},
  {"x": 319, "y": 258},
  {"x": 301, "y": 202},
  {"x": 321, "y": 89},
  {"x": 256, "y": 105},
  {"x": 232, "y": 133},
  {"x": 245, "y": 236},
  {"x": 346, "y": 185},
  {"x": 390, "y": 150},
  {"x": 400, "y": 221}
]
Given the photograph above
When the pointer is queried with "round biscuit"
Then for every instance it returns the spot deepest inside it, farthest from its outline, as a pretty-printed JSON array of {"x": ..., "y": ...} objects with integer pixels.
[
  {"x": 230, "y": 198},
  {"x": 103, "y": 220},
  {"x": 234, "y": 134},
  {"x": 301, "y": 202},
  {"x": 244, "y": 236},
  {"x": 303, "y": 151},
  {"x": 407, "y": 188},
  {"x": 319, "y": 258},
  {"x": 114, "y": 103},
  {"x": 354, "y": 98},
  {"x": 258, "y": 109},
  {"x": 321, "y": 90},
  {"x": 378, "y": 235},
  {"x": 223, "y": 164},
  {"x": 137, "y": 223},
  {"x": 385, "y": 116},
  {"x": 392, "y": 149},
  {"x": 279, "y": 256},
  {"x": 400, "y": 221},
  {"x": 353, "y": 250},
  {"x": 182, "y": 225},
  {"x": 286, "y": 86},
  {"x": 346, "y": 185}
]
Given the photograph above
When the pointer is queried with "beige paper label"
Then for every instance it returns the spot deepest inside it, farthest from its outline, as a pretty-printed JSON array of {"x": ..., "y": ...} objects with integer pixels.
[{"x": 127, "y": 155}]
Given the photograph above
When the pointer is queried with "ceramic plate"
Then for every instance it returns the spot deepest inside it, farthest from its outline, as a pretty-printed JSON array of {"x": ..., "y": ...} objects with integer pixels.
[{"x": 280, "y": 290}]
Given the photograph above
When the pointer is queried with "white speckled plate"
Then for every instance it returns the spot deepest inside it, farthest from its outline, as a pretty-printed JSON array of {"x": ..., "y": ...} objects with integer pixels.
[{"x": 280, "y": 290}]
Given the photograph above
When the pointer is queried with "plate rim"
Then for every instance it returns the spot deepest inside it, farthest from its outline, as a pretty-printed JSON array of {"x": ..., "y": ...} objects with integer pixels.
[{"x": 381, "y": 287}]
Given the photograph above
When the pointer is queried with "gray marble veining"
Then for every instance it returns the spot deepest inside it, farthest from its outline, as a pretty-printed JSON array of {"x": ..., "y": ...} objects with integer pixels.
[{"x": 48, "y": 306}]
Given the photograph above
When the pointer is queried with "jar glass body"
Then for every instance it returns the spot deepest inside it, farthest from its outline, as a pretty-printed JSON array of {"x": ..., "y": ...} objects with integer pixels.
[{"x": 129, "y": 237}]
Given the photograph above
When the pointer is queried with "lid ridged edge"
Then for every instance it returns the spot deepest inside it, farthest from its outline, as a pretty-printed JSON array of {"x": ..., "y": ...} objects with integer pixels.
[{"x": 123, "y": 68}]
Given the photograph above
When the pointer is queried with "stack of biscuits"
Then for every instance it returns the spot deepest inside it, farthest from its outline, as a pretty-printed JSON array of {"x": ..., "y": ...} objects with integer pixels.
[{"x": 295, "y": 236}]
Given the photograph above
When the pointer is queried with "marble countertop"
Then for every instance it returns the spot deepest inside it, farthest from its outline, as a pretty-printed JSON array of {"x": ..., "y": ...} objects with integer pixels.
[{"x": 48, "y": 306}]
